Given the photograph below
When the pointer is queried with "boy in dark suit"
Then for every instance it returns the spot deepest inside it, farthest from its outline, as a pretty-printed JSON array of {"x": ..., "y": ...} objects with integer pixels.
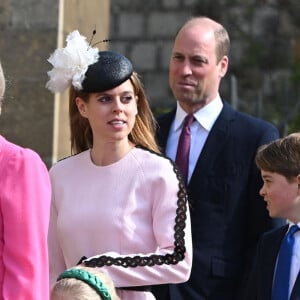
[{"x": 279, "y": 163}]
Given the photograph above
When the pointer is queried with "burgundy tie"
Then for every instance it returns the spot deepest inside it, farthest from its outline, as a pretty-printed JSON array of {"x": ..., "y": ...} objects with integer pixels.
[{"x": 183, "y": 149}]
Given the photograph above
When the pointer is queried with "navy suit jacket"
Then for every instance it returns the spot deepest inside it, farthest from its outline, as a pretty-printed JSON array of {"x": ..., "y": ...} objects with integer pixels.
[
  {"x": 261, "y": 278},
  {"x": 227, "y": 214}
]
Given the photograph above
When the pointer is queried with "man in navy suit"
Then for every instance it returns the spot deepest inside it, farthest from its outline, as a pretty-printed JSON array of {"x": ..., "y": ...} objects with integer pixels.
[
  {"x": 228, "y": 215},
  {"x": 280, "y": 169}
]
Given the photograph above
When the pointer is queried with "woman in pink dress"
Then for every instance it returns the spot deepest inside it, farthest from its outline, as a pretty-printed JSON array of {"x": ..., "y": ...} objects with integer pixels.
[
  {"x": 25, "y": 196},
  {"x": 117, "y": 201}
]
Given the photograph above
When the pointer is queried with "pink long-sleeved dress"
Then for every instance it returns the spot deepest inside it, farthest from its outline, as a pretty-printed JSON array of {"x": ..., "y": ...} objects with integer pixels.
[
  {"x": 25, "y": 196},
  {"x": 126, "y": 218}
]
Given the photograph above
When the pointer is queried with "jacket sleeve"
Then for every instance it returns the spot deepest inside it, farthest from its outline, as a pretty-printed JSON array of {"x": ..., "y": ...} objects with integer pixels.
[
  {"x": 25, "y": 205},
  {"x": 56, "y": 259},
  {"x": 251, "y": 289}
]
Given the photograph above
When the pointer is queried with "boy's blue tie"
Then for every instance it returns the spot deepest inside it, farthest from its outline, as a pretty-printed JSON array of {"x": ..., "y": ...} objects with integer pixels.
[{"x": 283, "y": 268}]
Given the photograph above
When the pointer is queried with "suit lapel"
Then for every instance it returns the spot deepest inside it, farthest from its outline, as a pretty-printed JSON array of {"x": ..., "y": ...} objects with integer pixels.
[
  {"x": 215, "y": 140},
  {"x": 271, "y": 249},
  {"x": 164, "y": 124}
]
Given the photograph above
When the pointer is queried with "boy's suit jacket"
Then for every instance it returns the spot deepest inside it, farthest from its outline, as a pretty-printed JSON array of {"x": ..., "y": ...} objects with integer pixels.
[
  {"x": 227, "y": 213},
  {"x": 261, "y": 278}
]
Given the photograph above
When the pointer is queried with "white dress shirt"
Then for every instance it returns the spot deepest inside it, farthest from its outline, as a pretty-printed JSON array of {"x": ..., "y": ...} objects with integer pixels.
[{"x": 205, "y": 119}]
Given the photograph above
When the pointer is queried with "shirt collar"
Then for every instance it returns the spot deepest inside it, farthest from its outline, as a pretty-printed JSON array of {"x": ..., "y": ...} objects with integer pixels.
[
  {"x": 206, "y": 116},
  {"x": 290, "y": 223}
]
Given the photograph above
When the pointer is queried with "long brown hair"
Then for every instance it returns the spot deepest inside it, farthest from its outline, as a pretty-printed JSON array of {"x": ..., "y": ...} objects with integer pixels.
[{"x": 143, "y": 132}]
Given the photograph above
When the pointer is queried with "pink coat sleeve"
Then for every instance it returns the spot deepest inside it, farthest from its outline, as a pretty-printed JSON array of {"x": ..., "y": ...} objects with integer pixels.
[{"x": 25, "y": 196}]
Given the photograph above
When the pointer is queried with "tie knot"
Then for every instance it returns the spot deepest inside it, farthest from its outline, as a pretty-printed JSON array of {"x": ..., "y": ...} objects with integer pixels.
[
  {"x": 293, "y": 229},
  {"x": 188, "y": 120}
]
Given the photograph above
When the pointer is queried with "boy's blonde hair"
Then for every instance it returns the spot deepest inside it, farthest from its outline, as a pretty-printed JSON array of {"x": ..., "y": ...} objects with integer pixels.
[{"x": 83, "y": 283}]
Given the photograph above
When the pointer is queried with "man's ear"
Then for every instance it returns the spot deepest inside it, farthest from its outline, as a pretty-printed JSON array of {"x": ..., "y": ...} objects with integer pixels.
[{"x": 81, "y": 106}]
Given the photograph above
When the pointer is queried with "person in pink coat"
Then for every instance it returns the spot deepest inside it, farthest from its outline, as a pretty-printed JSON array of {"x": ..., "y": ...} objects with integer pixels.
[{"x": 25, "y": 195}]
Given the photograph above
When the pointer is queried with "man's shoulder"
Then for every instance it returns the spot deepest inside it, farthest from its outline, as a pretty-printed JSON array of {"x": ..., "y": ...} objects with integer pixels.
[
  {"x": 246, "y": 120},
  {"x": 165, "y": 115},
  {"x": 273, "y": 233}
]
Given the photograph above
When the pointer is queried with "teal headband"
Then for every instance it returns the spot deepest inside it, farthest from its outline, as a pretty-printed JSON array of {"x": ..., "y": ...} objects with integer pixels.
[{"x": 89, "y": 278}]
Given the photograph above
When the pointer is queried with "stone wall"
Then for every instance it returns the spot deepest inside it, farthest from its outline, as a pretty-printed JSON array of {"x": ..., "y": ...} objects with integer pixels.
[
  {"x": 263, "y": 78},
  {"x": 28, "y": 35}
]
